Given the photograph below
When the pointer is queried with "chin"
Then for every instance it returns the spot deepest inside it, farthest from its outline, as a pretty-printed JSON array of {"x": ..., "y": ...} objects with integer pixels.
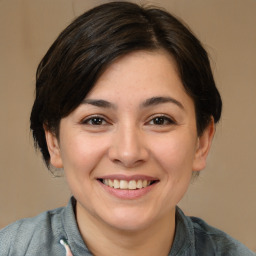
[
  {"x": 129, "y": 225},
  {"x": 129, "y": 220}
]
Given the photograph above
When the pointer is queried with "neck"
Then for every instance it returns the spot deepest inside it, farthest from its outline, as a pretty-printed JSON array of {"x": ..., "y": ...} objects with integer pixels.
[{"x": 113, "y": 241}]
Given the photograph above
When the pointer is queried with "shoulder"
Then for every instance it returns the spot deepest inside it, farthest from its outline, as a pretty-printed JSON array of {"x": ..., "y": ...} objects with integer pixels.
[
  {"x": 30, "y": 232},
  {"x": 208, "y": 238}
]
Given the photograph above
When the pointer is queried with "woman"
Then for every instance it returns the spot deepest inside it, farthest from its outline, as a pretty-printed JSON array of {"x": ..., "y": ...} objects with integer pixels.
[{"x": 126, "y": 104}]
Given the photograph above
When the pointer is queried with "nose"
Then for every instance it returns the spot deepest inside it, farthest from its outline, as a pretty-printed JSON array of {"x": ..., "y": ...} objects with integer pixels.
[{"x": 128, "y": 147}]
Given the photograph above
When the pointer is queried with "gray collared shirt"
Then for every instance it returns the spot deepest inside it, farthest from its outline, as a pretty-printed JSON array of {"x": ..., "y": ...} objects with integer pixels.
[{"x": 55, "y": 233}]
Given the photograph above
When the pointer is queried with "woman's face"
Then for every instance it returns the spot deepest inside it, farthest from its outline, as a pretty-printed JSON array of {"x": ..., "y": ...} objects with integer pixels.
[{"x": 128, "y": 151}]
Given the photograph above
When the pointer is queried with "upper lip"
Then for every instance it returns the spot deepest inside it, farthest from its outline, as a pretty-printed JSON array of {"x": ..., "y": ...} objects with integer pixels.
[{"x": 127, "y": 178}]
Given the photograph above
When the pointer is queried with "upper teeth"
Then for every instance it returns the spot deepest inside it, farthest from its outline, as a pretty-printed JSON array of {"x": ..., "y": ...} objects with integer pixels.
[{"x": 124, "y": 184}]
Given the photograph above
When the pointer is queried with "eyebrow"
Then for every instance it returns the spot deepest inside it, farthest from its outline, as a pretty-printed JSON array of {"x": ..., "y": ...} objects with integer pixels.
[
  {"x": 147, "y": 103},
  {"x": 99, "y": 103},
  {"x": 160, "y": 100}
]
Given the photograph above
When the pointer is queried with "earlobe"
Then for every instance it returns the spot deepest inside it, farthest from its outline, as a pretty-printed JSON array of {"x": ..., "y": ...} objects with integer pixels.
[
  {"x": 203, "y": 147},
  {"x": 53, "y": 148}
]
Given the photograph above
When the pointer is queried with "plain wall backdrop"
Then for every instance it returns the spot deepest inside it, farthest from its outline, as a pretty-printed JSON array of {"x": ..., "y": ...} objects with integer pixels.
[{"x": 223, "y": 195}]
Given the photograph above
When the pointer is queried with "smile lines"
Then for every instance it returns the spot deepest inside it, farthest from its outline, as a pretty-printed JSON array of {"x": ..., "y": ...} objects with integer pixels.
[{"x": 124, "y": 184}]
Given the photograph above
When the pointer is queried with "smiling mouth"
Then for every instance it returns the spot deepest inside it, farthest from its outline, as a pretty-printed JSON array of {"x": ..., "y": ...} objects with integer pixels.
[{"x": 128, "y": 185}]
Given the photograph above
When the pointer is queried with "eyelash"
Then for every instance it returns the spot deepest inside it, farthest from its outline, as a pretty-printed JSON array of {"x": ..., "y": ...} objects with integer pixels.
[
  {"x": 94, "y": 118},
  {"x": 164, "y": 120},
  {"x": 161, "y": 120}
]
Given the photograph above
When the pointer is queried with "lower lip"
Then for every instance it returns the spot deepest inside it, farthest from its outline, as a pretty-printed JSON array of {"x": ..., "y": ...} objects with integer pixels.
[{"x": 127, "y": 193}]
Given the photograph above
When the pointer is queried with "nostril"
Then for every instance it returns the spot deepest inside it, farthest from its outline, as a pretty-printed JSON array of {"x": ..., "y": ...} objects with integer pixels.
[
  {"x": 128, "y": 150},
  {"x": 128, "y": 162}
]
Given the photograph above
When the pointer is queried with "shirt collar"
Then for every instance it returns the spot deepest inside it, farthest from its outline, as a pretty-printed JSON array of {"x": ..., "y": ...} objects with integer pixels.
[
  {"x": 184, "y": 238},
  {"x": 183, "y": 244}
]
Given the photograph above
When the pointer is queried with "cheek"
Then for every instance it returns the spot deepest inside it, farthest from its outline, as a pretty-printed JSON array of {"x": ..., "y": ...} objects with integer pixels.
[
  {"x": 81, "y": 155},
  {"x": 175, "y": 154},
  {"x": 80, "y": 158}
]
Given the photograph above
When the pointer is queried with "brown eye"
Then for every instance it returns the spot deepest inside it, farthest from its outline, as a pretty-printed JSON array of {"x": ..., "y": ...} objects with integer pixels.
[
  {"x": 95, "y": 121},
  {"x": 161, "y": 120}
]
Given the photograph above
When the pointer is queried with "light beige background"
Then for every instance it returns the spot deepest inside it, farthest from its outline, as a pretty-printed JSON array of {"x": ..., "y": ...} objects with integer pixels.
[{"x": 224, "y": 194}]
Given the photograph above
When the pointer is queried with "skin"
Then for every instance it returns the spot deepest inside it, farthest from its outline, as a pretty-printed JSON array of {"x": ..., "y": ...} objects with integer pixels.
[{"x": 131, "y": 136}]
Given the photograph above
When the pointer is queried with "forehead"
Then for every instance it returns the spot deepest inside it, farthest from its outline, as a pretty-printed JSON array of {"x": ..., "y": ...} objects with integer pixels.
[{"x": 140, "y": 74}]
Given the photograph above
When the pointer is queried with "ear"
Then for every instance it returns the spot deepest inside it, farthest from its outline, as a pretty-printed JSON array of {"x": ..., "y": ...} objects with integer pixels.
[
  {"x": 53, "y": 148},
  {"x": 203, "y": 147}
]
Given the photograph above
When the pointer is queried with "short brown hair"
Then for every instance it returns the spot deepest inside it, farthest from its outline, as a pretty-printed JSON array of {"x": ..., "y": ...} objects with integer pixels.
[{"x": 94, "y": 40}]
